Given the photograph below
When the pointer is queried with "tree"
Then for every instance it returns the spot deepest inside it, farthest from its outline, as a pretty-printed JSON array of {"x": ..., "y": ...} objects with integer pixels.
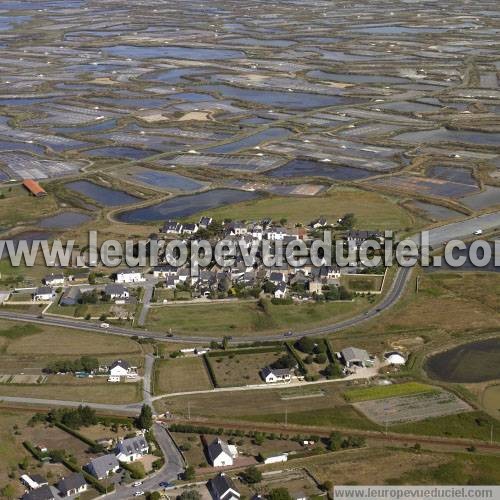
[
  {"x": 285, "y": 361},
  {"x": 189, "y": 495},
  {"x": 145, "y": 419},
  {"x": 320, "y": 358},
  {"x": 333, "y": 370},
  {"x": 8, "y": 491},
  {"x": 279, "y": 494},
  {"x": 305, "y": 344},
  {"x": 334, "y": 441},
  {"x": 189, "y": 473},
  {"x": 252, "y": 475},
  {"x": 348, "y": 221}
]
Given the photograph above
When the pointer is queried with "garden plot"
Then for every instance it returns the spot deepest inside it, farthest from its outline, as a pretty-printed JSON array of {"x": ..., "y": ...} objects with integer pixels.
[{"x": 413, "y": 408}]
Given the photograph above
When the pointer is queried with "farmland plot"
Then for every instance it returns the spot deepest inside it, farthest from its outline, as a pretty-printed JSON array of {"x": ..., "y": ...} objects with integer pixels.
[{"x": 397, "y": 410}]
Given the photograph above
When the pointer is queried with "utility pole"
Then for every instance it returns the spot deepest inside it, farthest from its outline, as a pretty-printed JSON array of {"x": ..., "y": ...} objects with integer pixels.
[
  {"x": 286, "y": 417},
  {"x": 189, "y": 410},
  {"x": 491, "y": 434},
  {"x": 418, "y": 284}
]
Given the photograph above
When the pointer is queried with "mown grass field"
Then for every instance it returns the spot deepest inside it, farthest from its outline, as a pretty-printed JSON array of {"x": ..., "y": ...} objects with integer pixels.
[
  {"x": 34, "y": 340},
  {"x": 448, "y": 302},
  {"x": 386, "y": 391},
  {"x": 340, "y": 416},
  {"x": 363, "y": 283},
  {"x": 240, "y": 318},
  {"x": 376, "y": 211},
  {"x": 10, "y": 451},
  {"x": 180, "y": 375},
  {"x": 236, "y": 404},
  {"x": 94, "y": 391},
  {"x": 470, "y": 425},
  {"x": 241, "y": 369}
]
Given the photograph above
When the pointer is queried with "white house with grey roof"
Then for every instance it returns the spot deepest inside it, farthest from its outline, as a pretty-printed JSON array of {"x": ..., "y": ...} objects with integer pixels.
[
  {"x": 101, "y": 467},
  {"x": 72, "y": 485},
  {"x": 129, "y": 276},
  {"x": 221, "y": 454},
  {"x": 132, "y": 449},
  {"x": 272, "y": 375}
]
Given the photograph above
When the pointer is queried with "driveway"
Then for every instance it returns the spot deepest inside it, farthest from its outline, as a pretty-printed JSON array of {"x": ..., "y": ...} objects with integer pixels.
[{"x": 174, "y": 465}]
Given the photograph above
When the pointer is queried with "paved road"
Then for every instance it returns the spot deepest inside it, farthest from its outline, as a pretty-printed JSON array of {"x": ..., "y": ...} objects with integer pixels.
[
  {"x": 402, "y": 277},
  {"x": 146, "y": 303},
  {"x": 437, "y": 236},
  {"x": 146, "y": 382},
  {"x": 174, "y": 465},
  {"x": 130, "y": 409}
]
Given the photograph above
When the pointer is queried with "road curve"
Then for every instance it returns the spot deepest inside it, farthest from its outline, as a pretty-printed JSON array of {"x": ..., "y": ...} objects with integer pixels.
[{"x": 395, "y": 292}]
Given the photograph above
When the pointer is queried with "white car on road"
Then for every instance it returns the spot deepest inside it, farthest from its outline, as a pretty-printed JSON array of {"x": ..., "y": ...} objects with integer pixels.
[{"x": 104, "y": 325}]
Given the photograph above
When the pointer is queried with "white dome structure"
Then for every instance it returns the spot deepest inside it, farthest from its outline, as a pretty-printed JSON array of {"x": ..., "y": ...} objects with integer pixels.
[{"x": 395, "y": 358}]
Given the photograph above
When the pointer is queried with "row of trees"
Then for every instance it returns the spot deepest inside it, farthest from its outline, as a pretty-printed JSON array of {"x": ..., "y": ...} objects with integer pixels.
[{"x": 84, "y": 364}]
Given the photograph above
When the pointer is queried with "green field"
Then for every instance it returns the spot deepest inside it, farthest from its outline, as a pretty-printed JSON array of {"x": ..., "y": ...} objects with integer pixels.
[
  {"x": 241, "y": 369},
  {"x": 78, "y": 390},
  {"x": 240, "y": 318},
  {"x": 341, "y": 416},
  {"x": 470, "y": 425},
  {"x": 19, "y": 207},
  {"x": 180, "y": 375},
  {"x": 376, "y": 212},
  {"x": 386, "y": 391}
]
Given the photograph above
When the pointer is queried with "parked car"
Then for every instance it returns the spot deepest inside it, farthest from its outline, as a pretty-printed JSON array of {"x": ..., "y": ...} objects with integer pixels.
[
  {"x": 138, "y": 493},
  {"x": 137, "y": 483},
  {"x": 478, "y": 232}
]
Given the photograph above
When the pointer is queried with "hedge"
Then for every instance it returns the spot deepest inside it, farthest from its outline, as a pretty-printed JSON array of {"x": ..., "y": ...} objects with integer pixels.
[
  {"x": 248, "y": 350},
  {"x": 293, "y": 352},
  {"x": 210, "y": 371},
  {"x": 77, "y": 434}
]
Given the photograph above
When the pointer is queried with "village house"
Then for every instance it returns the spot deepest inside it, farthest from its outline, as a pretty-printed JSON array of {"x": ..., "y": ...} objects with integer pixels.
[
  {"x": 281, "y": 291},
  {"x": 236, "y": 228},
  {"x": 356, "y": 238},
  {"x": 276, "y": 278},
  {"x": 128, "y": 276},
  {"x": 172, "y": 227},
  {"x": 119, "y": 368},
  {"x": 275, "y": 233},
  {"x": 116, "y": 291},
  {"x": 319, "y": 223},
  {"x": 222, "y": 488},
  {"x": 205, "y": 222},
  {"x": 165, "y": 270},
  {"x": 132, "y": 449},
  {"x": 272, "y": 375},
  {"x": 54, "y": 280},
  {"x": 43, "y": 293},
  {"x": 42, "y": 493},
  {"x": 72, "y": 485},
  {"x": 221, "y": 454},
  {"x": 191, "y": 228},
  {"x": 101, "y": 467}
]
